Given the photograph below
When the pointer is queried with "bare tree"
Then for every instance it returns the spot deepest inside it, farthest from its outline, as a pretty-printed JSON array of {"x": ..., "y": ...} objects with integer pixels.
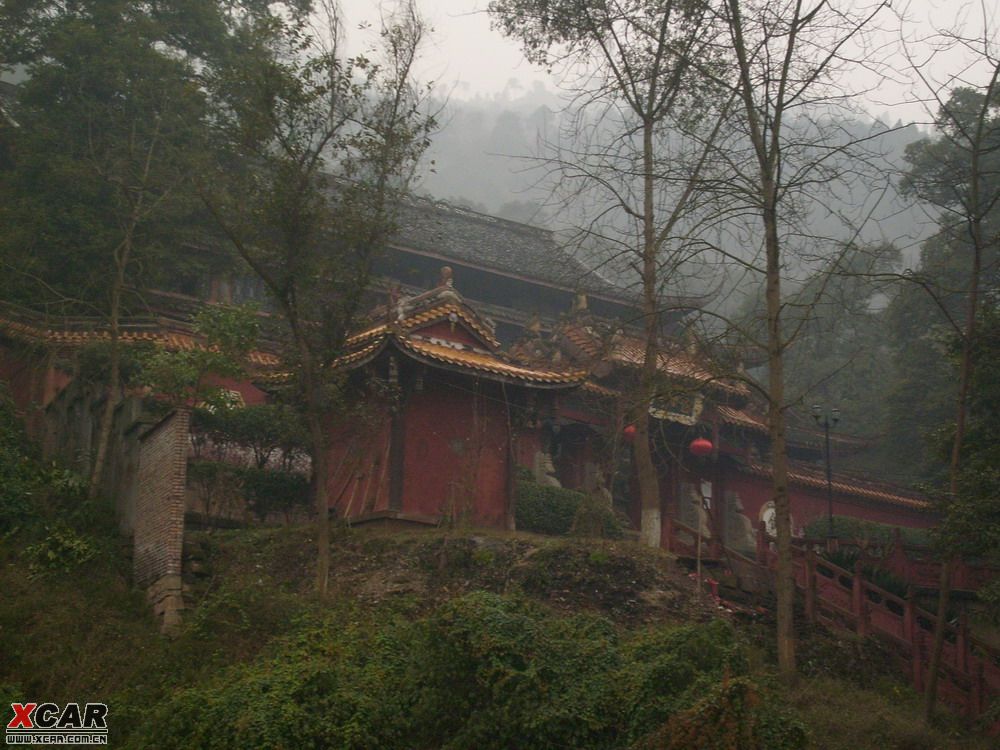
[
  {"x": 791, "y": 58},
  {"x": 642, "y": 116}
]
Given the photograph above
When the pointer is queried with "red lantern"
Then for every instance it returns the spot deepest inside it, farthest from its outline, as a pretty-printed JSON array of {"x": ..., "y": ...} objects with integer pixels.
[
  {"x": 629, "y": 433},
  {"x": 700, "y": 447}
]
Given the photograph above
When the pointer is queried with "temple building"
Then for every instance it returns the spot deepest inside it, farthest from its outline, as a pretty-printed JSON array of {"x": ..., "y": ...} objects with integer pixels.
[{"x": 491, "y": 348}]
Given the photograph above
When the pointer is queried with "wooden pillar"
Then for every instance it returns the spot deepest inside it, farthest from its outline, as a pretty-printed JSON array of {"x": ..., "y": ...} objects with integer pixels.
[
  {"x": 397, "y": 439},
  {"x": 918, "y": 661},
  {"x": 910, "y": 615},
  {"x": 962, "y": 643},
  {"x": 762, "y": 543},
  {"x": 859, "y": 601},
  {"x": 978, "y": 691},
  {"x": 510, "y": 485},
  {"x": 811, "y": 585},
  {"x": 668, "y": 527}
]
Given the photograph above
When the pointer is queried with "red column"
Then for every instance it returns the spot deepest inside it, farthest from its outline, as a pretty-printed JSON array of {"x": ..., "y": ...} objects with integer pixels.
[
  {"x": 858, "y": 600},
  {"x": 918, "y": 662},
  {"x": 962, "y": 644},
  {"x": 811, "y": 584},
  {"x": 910, "y": 615}
]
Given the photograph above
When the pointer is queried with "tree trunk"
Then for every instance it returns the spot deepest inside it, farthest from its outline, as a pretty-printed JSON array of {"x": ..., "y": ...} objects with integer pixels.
[
  {"x": 937, "y": 647},
  {"x": 649, "y": 484},
  {"x": 108, "y": 412},
  {"x": 785, "y": 585},
  {"x": 320, "y": 459},
  {"x": 320, "y": 478},
  {"x": 114, "y": 369}
]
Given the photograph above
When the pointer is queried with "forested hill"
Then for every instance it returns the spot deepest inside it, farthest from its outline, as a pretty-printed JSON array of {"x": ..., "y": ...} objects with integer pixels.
[{"x": 502, "y": 138}]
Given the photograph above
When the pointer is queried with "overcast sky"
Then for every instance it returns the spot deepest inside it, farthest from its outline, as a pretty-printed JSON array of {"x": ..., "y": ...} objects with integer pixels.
[{"x": 466, "y": 58}]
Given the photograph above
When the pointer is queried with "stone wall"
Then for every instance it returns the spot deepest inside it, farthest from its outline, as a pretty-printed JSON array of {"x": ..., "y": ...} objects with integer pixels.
[{"x": 158, "y": 527}]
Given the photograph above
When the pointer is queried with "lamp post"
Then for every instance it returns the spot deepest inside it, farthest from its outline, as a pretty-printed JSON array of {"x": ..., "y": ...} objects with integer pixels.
[{"x": 826, "y": 420}]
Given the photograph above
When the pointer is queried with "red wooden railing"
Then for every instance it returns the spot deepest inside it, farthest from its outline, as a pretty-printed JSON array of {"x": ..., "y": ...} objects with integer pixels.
[
  {"x": 970, "y": 669},
  {"x": 914, "y": 564}
]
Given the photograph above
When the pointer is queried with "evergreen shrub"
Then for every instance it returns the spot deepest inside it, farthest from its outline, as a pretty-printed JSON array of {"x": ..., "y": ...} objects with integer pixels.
[{"x": 558, "y": 511}]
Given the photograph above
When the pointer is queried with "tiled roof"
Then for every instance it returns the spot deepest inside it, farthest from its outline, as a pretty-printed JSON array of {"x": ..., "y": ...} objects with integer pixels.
[
  {"x": 441, "y": 230},
  {"x": 75, "y": 337},
  {"x": 417, "y": 313},
  {"x": 444, "y": 312},
  {"x": 485, "y": 362},
  {"x": 376, "y": 331},
  {"x": 599, "y": 390},
  {"x": 630, "y": 351},
  {"x": 847, "y": 486},
  {"x": 742, "y": 418},
  {"x": 437, "y": 310},
  {"x": 362, "y": 355},
  {"x": 440, "y": 304}
]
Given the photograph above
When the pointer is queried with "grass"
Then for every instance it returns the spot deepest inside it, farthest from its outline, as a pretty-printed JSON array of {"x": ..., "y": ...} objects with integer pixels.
[{"x": 842, "y": 716}]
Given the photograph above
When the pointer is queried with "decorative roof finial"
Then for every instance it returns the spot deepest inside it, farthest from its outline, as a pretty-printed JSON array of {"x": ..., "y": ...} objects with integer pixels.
[
  {"x": 534, "y": 326},
  {"x": 446, "y": 277},
  {"x": 580, "y": 302}
]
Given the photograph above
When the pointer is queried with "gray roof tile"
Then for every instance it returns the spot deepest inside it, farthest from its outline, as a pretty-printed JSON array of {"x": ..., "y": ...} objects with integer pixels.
[{"x": 498, "y": 244}]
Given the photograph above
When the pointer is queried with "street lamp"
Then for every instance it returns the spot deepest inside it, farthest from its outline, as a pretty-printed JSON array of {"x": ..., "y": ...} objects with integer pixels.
[{"x": 826, "y": 420}]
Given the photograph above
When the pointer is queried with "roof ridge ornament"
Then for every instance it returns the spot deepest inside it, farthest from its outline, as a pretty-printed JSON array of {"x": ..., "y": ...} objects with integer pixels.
[{"x": 447, "y": 277}]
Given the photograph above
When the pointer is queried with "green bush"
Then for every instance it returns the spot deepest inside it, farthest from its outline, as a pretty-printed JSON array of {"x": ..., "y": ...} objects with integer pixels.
[
  {"x": 269, "y": 491},
  {"x": 61, "y": 550},
  {"x": 558, "y": 511},
  {"x": 483, "y": 671},
  {"x": 595, "y": 518},
  {"x": 22, "y": 478},
  {"x": 731, "y": 715},
  {"x": 855, "y": 530},
  {"x": 847, "y": 557},
  {"x": 265, "y": 491},
  {"x": 34, "y": 493},
  {"x": 989, "y": 596}
]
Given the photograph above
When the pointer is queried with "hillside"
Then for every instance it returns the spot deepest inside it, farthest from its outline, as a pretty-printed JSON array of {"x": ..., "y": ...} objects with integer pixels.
[{"x": 431, "y": 639}]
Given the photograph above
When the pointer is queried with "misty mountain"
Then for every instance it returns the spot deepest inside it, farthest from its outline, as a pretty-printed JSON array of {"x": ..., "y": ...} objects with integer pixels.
[{"x": 488, "y": 156}]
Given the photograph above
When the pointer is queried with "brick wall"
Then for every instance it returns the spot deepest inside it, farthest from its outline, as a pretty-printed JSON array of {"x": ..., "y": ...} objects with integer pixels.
[
  {"x": 159, "y": 501},
  {"x": 158, "y": 524}
]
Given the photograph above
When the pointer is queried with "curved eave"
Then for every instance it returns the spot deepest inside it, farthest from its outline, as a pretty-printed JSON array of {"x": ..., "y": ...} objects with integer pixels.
[
  {"x": 486, "y": 366},
  {"x": 589, "y": 386},
  {"x": 736, "y": 418}
]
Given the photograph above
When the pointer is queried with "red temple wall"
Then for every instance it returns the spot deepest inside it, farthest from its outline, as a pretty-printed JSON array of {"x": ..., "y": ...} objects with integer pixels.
[
  {"x": 526, "y": 444},
  {"x": 809, "y": 504},
  {"x": 20, "y": 372},
  {"x": 454, "y": 456},
  {"x": 456, "y": 451},
  {"x": 358, "y": 469}
]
